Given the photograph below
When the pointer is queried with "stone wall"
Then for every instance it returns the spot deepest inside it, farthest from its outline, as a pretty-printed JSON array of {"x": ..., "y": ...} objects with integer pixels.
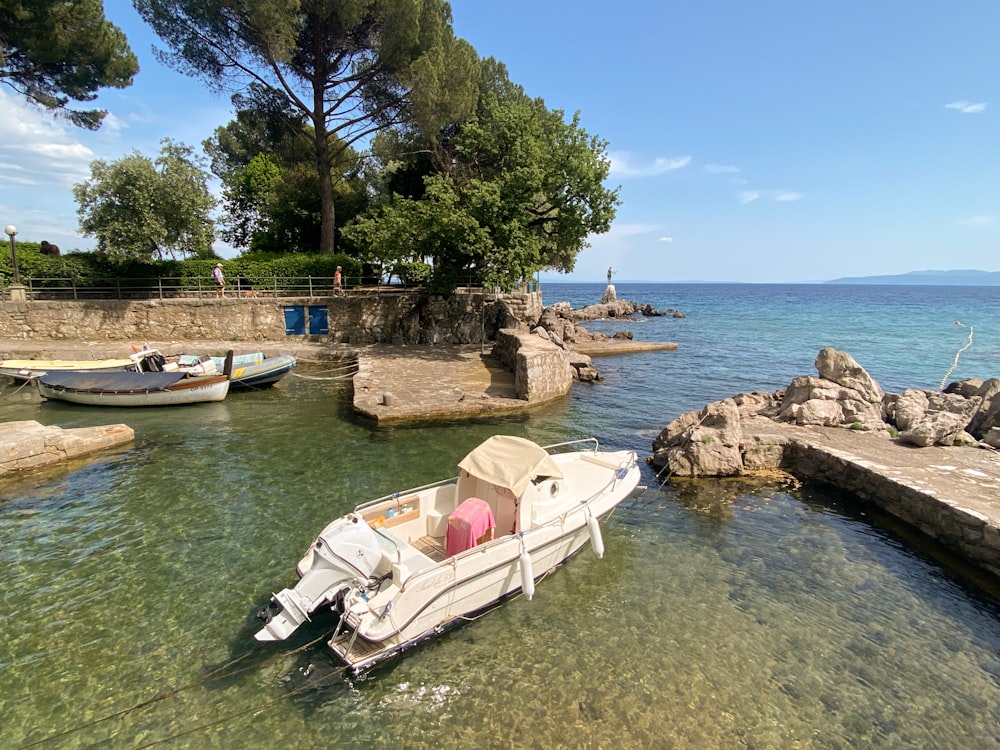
[
  {"x": 542, "y": 370},
  {"x": 963, "y": 530},
  {"x": 358, "y": 319}
]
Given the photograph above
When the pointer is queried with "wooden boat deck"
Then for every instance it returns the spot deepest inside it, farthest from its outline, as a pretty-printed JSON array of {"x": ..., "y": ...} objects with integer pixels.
[{"x": 432, "y": 546}]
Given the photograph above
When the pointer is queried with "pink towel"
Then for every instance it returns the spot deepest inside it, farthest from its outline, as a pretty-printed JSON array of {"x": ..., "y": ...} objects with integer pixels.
[{"x": 467, "y": 524}]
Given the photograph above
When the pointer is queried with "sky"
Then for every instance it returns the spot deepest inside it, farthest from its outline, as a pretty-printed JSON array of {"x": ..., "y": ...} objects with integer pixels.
[{"x": 774, "y": 141}]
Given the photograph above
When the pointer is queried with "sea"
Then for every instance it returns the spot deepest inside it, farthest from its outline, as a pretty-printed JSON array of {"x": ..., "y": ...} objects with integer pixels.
[{"x": 729, "y": 613}]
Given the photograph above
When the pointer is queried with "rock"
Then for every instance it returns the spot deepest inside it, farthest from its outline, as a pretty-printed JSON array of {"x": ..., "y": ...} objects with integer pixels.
[
  {"x": 966, "y": 388},
  {"x": 841, "y": 368},
  {"x": 706, "y": 444},
  {"x": 819, "y": 401},
  {"x": 933, "y": 418},
  {"x": 583, "y": 368},
  {"x": 987, "y": 416},
  {"x": 992, "y": 437}
]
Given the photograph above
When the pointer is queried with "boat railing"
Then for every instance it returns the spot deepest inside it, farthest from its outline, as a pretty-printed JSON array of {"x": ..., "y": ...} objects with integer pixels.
[
  {"x": 406, "y": 493},
  {"x": 568, "y": 443}
]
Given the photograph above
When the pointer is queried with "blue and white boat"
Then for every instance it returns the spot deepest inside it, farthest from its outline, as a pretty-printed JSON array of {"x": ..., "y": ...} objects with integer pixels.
[{"x": 248, "y": 370}]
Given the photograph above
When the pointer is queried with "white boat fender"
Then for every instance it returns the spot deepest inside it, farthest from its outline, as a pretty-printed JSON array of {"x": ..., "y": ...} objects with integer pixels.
[
  {"x": 527, "y": 573},
  {"x": 595, "y": 536}
]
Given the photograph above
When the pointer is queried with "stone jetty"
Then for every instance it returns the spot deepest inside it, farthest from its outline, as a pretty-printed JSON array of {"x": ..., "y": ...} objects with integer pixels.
[
  {"x": 29, "y": 445},
  {"x": 926, "y": 457}
]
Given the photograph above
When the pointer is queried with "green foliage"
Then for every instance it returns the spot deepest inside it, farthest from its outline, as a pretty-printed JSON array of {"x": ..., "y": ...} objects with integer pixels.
[
  {"x": 348, "y": 69},
  {"x": 414, "y": 273},
  {"x": 101, "y": 270},
  {"x": 139, "y": 209},
  {"x": 515, "y": 190},
  {"x": 54, "y": 51}
]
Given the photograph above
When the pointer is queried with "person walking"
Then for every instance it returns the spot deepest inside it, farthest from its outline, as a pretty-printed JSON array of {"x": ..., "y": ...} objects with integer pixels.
[
  {"x": 338, "y": 281},
  {"x": 220, "y": 280}
]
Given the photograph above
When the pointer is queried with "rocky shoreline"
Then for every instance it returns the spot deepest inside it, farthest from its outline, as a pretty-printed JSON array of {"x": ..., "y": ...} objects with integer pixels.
[
  {"x": 926, "y": 457},
  {"x": 710, "y": 442}
]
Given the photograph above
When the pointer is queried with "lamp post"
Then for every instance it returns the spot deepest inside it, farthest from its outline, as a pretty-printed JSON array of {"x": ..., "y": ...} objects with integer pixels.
[{"x": 16, "y": 290}]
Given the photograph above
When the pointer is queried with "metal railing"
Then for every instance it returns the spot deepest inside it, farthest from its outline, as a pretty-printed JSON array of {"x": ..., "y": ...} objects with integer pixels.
[{"x": 181, "y": 288}]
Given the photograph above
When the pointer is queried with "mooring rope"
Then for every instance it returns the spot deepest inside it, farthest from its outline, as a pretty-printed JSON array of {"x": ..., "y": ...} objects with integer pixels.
[
  {"x": 345, "y": 376},
  {"x": 957, "y": 355},
  {"x": 18, "y": 389},
  {"x": 177, "y": 691}
]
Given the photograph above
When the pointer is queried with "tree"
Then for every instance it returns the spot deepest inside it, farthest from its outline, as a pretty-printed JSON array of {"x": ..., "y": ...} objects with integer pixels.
[
  {"x": 515, "y": 190},
  {"x": 52, "y": 51},
  {"x": 270, "y": 185},
  {"x": 139, "y": 209},
  {"x": 350, "y": 67}
]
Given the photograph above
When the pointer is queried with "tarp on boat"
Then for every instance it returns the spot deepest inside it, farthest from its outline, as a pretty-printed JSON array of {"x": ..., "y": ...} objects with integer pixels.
[
  {"x": 510, "y": 462},
  {"x": 111, "y": 382}
]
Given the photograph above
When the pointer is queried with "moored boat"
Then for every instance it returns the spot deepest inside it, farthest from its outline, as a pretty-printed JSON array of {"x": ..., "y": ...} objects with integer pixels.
[
  {"x": 262, "y": 374},
  {"x": 23, "y": 370},
  {"x": 249, "y": 370},
  {"x": 132, "y": 388},
  {"x": 403, "y": 568}
]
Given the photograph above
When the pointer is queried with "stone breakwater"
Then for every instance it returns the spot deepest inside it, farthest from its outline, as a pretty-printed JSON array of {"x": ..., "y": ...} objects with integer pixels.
[
  {"x": 29, "y": 445},
  {"x": 926, "y": 457}
]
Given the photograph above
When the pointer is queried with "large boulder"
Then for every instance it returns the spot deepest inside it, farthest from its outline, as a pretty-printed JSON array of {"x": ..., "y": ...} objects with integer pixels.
[
  {"x": 934, "y": 418},
  {"x": 987, "y": 416},
  {"x": 827, "y": 403},
  {"x": 706, "y": 443},
  {"x": 841, "y": 368}
]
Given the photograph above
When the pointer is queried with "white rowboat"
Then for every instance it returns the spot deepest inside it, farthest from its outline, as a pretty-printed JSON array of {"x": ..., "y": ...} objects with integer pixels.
[{"x": 132, "y": 388}]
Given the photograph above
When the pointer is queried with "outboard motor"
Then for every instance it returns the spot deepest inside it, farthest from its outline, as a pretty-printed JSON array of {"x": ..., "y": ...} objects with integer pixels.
[{"x": 343, "y": 556}]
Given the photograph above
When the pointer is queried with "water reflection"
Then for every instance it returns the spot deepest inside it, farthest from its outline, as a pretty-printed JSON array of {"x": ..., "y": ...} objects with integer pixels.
[{"x": 723, "y": 613}]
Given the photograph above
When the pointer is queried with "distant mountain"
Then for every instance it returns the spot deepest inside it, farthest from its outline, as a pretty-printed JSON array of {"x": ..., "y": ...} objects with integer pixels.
[{"x": 930, "y": 278}]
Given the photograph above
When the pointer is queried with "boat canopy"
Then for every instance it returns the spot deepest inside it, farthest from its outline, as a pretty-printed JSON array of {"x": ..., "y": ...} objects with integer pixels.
[{"x": 510, "y": 462}]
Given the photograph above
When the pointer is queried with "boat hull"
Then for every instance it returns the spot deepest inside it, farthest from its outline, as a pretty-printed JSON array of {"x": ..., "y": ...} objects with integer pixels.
[
  {"x": 262, "y": 374},
  {"x": 133, "y": 389}
]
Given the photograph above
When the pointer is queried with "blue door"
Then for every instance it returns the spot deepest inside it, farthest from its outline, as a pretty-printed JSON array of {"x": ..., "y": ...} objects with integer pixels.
[
  {"x": 295, "y": 320},
  {"x": 318, "y": 323}
]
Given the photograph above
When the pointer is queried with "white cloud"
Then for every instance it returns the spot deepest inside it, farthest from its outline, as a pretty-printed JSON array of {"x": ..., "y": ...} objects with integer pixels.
[
  {"x": 38, "y": 150},
  {"x": 787, "y": 197},
  {"x": 748, "y": 196},
  {"x": 977, "y": 221},
  {"x": 722, "y": 169},
  {"x": 665, "y": 239},
  {"x": 967, "y": 108},
  {"x": 622, "y": 166}
]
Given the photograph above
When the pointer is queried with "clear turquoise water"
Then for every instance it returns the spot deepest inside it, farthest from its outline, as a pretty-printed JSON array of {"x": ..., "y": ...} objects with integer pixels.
[{"x": 724, "y": 614}]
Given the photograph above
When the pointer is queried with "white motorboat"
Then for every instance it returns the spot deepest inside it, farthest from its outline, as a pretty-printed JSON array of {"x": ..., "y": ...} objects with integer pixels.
[{"x": 402, "y": 568}]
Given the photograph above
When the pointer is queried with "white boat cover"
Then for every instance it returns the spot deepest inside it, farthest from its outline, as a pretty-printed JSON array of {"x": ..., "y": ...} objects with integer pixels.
[{"x": 510, "y": 462}]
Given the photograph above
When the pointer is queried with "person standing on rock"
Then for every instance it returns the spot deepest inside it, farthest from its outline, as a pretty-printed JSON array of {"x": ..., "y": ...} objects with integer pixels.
[
  {"x": 609, "y": 275},
  {"x": 220, "y": 280}
]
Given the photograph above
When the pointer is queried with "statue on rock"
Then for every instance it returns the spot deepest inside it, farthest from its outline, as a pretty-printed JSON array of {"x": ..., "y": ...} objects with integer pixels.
[{"x": 610, "y": 295}]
